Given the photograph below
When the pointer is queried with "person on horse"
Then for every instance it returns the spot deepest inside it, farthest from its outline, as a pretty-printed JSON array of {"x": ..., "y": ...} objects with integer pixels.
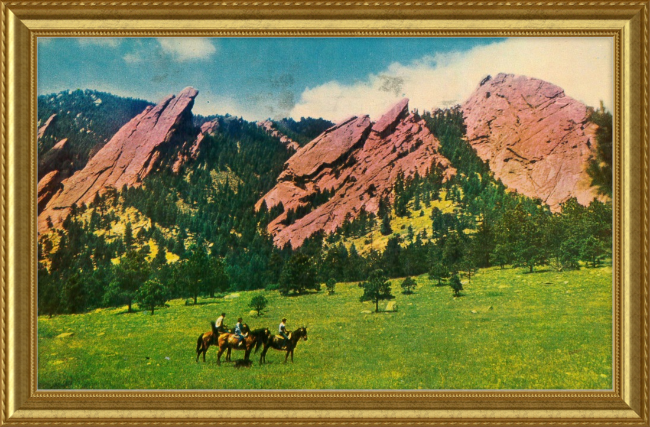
[
  {"x": 221, "y": 327},
  {"x": 238, "y": 332},
  {"x": 283, "y": 331}
]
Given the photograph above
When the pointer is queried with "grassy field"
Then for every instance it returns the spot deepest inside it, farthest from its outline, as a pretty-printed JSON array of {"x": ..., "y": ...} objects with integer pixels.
[{"x": 510, "y": 330}]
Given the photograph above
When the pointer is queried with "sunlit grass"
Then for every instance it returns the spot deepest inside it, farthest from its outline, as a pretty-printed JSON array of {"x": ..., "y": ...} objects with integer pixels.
[
  {"x": 510, "y": 330},
  {"x": 418, "y": 222}
]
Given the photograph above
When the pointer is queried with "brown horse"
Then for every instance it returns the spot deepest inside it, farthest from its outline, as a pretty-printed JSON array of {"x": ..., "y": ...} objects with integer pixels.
[
  {"x": 254, "y": 339},
  {"x": 207, "y": 339},
  {"x": 276, "y": 342}
]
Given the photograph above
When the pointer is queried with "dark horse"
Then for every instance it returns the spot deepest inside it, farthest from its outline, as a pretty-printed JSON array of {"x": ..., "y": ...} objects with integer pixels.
[
  {"x": 276, "y": 342},
  {"x": 207, "y": 339},
  {"x": 230, "y": 341}
]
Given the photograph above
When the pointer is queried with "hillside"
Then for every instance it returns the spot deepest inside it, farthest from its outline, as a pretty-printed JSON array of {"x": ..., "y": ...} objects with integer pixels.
[{"x": 510, "y": 330}]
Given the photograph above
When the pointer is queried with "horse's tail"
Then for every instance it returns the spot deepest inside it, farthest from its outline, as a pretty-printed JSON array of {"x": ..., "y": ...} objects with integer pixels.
[{"x": 199, "y": 343}]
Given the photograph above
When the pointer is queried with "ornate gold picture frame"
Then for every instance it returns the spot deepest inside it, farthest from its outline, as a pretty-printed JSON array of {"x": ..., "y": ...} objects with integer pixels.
[{"x": 24, "y": 21}]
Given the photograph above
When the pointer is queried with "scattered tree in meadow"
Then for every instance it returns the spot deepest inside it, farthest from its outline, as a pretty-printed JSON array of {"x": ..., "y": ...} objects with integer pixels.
[
  {"x": 408, "y": 285},
  {"x": 376, "y": 288},
  {"x": 152, "y": 294},
  {"x": 456, "y": 285},
  {"x": 258, "y": 303},
  {"x": 439, "y": 272}
]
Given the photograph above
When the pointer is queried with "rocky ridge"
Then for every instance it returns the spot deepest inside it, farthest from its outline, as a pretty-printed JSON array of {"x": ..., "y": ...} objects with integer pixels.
[
  {"x": 136, "y": 150},
  {"x": 356, "y": 162},
  {"x": 269, "y": 127}
]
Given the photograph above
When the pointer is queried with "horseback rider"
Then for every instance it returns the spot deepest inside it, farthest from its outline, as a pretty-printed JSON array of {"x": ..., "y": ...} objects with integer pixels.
[
  {"x": 238, "y": 332},
  {"x": 221, "y": 327},
  {"x": 283, "y": 331}
]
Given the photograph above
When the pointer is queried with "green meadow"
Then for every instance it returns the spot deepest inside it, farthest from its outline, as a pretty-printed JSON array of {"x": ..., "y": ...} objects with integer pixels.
[{"x": 509, "y": 330}]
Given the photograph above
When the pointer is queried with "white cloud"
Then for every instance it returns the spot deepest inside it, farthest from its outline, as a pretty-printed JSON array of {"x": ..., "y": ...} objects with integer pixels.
[
  {"x": 583, "y": 67},
  {"x": 132, "y": 58},
  {"x": 99, "y": 41},
  {"x": 188, "y": 48}
]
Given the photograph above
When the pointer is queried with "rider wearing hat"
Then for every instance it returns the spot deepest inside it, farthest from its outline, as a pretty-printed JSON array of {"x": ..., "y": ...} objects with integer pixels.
[{"x": 283, "y": 331}]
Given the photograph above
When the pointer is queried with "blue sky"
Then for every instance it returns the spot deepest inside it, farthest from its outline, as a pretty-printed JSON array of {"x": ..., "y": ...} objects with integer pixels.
[{"x": 330, "y": 77}]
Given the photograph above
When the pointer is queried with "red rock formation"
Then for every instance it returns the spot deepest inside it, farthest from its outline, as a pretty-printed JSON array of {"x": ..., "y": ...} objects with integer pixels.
[
  {"x": 356, "y": 160},
  {"x": 133, "y": 152},
  {"x": 54, "y": 158},
  {"x": 191, "y": 151},
  {"x": 269, "y": 127},
  {"x": 537, "y": 140},
  {"x": 48, "y": 186},
  {"x": 46, "y": 125}
]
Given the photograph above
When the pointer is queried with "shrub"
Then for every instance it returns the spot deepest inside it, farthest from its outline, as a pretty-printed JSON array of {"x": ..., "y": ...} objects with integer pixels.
[{"x": 330, "y": 285}]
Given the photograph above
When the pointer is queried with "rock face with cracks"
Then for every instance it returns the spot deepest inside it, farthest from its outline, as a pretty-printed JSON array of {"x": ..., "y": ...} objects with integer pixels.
[
  {"x": 537, "y": 140},
  {"x": 134, "y": 152},
  {"x": 356, "y": 162}
]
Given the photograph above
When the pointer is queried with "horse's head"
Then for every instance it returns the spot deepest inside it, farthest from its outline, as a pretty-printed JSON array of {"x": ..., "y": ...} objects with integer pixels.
[
  {"x": 303, "y": 333},
  {"x": 245, "y": 328}
]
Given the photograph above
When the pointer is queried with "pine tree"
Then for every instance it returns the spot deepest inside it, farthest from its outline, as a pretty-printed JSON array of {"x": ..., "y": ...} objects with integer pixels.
[
  {"x": 386, "y": 229},
  {"x": 408, "y": 285},
  {"x": 376, "y": 288},
  {"x": 456, "y": 285},
  {"x": 128, "y": 236},
  {"x": 438, "y": 272}
]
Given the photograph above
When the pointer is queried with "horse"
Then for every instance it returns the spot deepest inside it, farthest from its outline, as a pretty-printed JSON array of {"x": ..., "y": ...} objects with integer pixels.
[
  {"x": 254, "y": 339},
  {"x": 207, "y": 339},
  {"x": 277, "y": 343}
]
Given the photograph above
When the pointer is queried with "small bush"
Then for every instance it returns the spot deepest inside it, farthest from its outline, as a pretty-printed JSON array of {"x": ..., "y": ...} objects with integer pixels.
[{"x": 331, "y": 283}]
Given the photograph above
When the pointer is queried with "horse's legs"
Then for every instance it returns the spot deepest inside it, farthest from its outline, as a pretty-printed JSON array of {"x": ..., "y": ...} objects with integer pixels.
[
  {"x": 205, "y": 350},
  {"x": 228, "y": 354},
  {"x": 247, "y": 354},
  {"x": 286, "y": 357},
  {"x": 292, "y": 355},
  {"x": 219, "y": 355}
]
